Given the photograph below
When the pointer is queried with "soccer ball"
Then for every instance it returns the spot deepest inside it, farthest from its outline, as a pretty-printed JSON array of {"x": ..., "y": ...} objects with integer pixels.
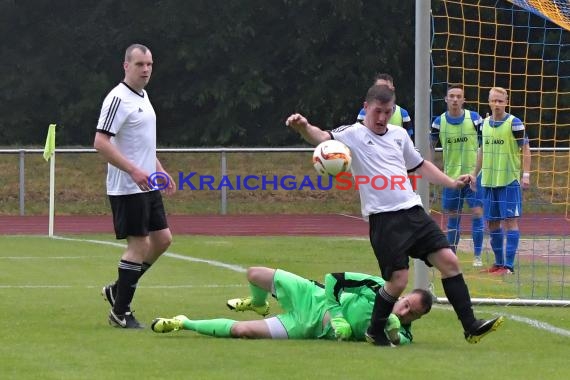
[{"x": 331, "y": 157}]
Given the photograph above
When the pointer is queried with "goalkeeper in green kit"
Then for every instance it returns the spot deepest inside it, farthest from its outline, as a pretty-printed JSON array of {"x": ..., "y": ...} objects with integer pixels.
[{"x": 340, "y": 309}]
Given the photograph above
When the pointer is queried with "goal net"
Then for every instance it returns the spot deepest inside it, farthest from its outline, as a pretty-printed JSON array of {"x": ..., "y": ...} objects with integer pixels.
[{"x": 523, "y": 46}]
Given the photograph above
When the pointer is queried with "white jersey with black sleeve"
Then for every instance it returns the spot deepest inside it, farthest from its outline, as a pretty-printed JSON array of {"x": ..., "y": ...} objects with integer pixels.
[
  {"x": 128, "y": 117},
  {"x": 385, "y": 160}
]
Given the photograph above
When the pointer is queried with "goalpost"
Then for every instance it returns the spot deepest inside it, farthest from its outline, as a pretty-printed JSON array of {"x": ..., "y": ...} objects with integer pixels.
[{"x": 523, "y": 46}]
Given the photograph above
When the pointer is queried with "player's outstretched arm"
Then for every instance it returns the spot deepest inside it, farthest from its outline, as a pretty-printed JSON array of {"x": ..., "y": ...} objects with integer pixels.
[
  {"x": 310, "y": 133},
  {"x": 431, "y": 173}
]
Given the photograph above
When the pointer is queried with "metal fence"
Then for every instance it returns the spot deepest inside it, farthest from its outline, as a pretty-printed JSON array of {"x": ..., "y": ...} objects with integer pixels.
[{"x": 221, "y": 151}]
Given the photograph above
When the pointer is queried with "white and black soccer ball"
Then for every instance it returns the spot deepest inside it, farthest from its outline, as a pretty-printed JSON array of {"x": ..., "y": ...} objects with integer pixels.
[{"x": 331, "y": 157}]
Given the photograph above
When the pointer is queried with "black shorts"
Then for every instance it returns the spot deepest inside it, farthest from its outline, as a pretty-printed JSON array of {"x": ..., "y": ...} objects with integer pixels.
[
  {"x": 396, "y": 236},
  {"x": 138, "y": 214}
]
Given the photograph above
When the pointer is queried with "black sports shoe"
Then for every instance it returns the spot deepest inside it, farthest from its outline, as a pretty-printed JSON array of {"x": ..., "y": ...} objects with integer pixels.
[
  {"x": 482, "y": 327},
  {"x": 108, "y": 292},
  {"x": 125, "y": 321},
  {"x": 377, "y": 340}
]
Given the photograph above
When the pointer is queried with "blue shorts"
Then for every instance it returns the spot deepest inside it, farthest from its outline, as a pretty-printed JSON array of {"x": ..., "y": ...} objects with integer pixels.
[
  {"x": 503, "y": 202},
  {"x": 452, "y": 199}
]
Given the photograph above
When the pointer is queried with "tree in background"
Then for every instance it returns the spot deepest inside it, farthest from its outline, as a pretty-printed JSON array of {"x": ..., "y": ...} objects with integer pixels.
[{"x": 227, "y": 73}]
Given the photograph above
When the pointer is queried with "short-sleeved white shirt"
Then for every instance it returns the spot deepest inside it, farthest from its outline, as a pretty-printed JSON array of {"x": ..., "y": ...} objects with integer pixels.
[
  {"x": 129, "y": 118},
  {"x": 390, "y": 155}
]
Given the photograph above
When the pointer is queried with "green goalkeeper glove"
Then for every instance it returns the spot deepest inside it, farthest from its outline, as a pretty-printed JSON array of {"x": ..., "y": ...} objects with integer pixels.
[
  {"x": 393, "y": 329},
  {"x": 341, "y": 327}
]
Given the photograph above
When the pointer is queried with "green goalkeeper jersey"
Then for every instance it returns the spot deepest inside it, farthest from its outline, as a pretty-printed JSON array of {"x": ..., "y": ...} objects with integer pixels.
[{"x": 351, "y": 295}]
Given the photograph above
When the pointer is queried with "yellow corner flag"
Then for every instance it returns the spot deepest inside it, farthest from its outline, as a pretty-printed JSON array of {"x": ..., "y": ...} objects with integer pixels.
[{"x": 50, "y": 143}]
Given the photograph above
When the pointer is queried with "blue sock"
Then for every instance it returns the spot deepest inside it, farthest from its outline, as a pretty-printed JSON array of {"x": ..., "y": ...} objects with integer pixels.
[
  {"x": 477, "y": 232},
  {"x": 497, "y": 245},
  {"x": 453, "y": 233},
  {"x": 513, "y": 237}
]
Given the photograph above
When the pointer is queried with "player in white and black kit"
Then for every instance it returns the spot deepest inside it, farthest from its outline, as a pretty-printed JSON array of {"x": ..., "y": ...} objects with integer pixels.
[
  {"x": 399, "y": 226},
  {"x": 126, "y": 138}
]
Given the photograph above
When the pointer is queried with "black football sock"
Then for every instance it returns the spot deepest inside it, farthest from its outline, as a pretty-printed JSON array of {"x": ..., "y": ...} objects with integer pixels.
[
  {"x": 129, "y": 274},
  {"x": 383, "y": 305},
  {"x": 114, "y": 288},
  {"x": 145, "y": 266},
  {"x": 457, "y": 293}
]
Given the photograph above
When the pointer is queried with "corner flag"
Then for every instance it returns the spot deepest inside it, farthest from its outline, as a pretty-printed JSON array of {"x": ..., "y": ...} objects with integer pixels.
[
  {"x": 50, "y": 143},
  {"x": 49, "y": 155}
]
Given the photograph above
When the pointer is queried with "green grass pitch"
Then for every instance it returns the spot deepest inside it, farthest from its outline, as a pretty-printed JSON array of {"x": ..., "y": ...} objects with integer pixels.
[{"x": 54, "y": 322}]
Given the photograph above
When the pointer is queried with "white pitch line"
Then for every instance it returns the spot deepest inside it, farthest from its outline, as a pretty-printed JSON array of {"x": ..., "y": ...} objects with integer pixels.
[
  {"x": 352, "y": 216},
  {"x": 48, "y": 257},
  {"x": 235, "y": 268},
  {"x": 538, "y": 324},
  {"x": 35, "y": 286},
  {"x": 531, "y": 322},
  {"x": 98, "y": 286},
  {"x": 192, "y": 286}
]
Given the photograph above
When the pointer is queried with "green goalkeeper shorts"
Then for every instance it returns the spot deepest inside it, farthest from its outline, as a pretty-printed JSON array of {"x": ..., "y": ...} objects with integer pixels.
[{"x": 303, "y": 303}]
